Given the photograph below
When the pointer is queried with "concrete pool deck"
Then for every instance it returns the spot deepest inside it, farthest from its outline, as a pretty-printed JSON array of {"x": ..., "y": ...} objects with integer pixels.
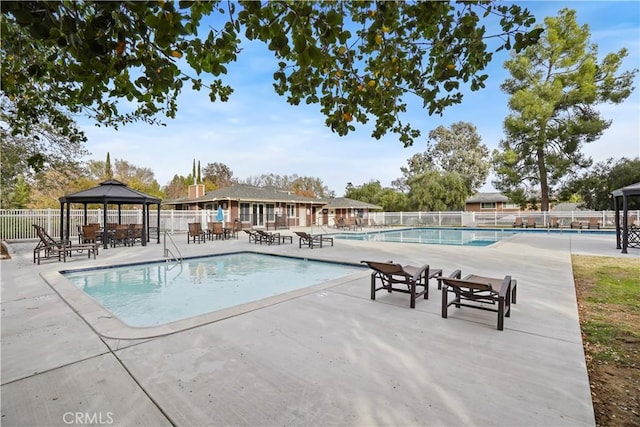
[{"x": 330, "y": 356}]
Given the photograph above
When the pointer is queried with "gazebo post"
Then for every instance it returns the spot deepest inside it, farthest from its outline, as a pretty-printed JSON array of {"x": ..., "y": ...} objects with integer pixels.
[
  {"x": 158, "y": 229},
  {"x": 105, "y": 229},
  {"x": 62, "y": 221},
  {"x": 625, "y": 224},
  {"x": 616, "y": 206},
  {"x": 144, "y": 225}
]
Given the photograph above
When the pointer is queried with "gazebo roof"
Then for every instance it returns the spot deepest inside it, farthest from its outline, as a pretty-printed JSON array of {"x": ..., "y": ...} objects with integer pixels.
[
  {"x": 629, "y": 190},
  {"x": 111, "y": 191}
]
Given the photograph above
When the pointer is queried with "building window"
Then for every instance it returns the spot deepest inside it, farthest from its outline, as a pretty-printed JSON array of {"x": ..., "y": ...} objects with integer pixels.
[
  {"x": 271, "y": 212},
  {"x": 291, "y": 211},
  {"x": 488, "y": 205},
  {"x": 245, "y": 212}
]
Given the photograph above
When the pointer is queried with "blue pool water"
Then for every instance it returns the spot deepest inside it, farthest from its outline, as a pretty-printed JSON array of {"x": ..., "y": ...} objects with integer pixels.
[
  {"x": 158, "y": 293},
  {"x": 433, "y": 236}
]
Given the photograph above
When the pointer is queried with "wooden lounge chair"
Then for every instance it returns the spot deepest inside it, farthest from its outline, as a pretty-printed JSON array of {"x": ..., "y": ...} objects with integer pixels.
[
  {"x": 483, "y": 293},
  {"x": 253, "y": 236},
  {"x": 553, "y": 222},
  {"x": 269, "y": 238},
  {"x": 196, "y": 232},
  {"x": 312, "y": 240},
  {"x": 594, "y": 223},
  {"x": 576, "y": 224},
  {"x": 518, "y": 222},
  {"x": 531, "y": 222},
  {"x": 390, "y": 274},
  {"x": 48, "y": 247}
]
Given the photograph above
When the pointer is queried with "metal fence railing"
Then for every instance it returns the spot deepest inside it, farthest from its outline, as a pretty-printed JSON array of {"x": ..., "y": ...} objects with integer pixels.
[{"x": 15, "y": 224}]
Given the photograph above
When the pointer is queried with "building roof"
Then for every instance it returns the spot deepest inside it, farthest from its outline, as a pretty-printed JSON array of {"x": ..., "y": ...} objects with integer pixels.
[
  {"x": 487, "y": 198},
  {"x": 110, "y": 192},
  {"x": 629, "y": 190},
  {"x": 346, "y": 203},
  {"x": 247, "y": 193}
]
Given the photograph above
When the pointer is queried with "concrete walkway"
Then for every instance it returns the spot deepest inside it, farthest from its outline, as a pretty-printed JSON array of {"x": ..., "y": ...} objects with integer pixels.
[{"x": 325, "y": 356}]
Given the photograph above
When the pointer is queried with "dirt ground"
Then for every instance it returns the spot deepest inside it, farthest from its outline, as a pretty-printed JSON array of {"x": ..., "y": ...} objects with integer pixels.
[{"x": 615, "y": 384}]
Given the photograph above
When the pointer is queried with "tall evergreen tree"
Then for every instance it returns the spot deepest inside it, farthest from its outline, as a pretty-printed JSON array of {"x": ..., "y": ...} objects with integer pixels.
[
  {"x": 108, "y": 171},
  {"x": 555, "y": 86}
]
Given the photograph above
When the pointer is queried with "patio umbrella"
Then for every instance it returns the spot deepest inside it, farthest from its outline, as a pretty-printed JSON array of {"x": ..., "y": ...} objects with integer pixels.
[{"x": 220, "y": 214}]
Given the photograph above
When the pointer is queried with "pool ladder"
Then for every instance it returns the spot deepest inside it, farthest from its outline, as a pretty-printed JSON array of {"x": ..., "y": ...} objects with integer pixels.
[{"x": 167, "y": 252}]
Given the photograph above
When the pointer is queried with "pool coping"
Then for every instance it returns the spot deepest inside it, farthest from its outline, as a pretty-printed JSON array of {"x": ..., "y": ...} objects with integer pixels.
[{"x": 107, "y": 325}]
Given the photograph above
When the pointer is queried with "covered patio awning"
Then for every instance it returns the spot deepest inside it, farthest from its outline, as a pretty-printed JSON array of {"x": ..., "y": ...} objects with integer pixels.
[
  {"x": 626, "y": 234},
  {"x": 111, "y": 192}
]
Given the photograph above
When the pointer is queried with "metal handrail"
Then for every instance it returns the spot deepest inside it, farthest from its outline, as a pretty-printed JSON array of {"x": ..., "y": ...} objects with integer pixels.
[{"x": 167, "y": 251}]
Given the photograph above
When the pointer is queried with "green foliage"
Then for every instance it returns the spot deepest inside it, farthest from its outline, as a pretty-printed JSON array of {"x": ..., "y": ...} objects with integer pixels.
[
  {"x": 458, "y": 149},
  {"x": 435, "y": 191},
  {"x": 554, "y": 87},
  {"x": 388, "y": 199},
  {"x": 302, "y": 185},
  {"x": 593, "y": 187},
  {"x": 27, "y": 156},
  {"x": 357, "y": 60},
  {"x": 219, "y": 174},
  {"x": 107, "y": 167}
]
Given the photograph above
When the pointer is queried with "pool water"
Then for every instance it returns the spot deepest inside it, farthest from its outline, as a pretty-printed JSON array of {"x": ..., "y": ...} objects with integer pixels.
[
  {"x": 433, "y": 236},
  {"x": 157, "y": 293}
]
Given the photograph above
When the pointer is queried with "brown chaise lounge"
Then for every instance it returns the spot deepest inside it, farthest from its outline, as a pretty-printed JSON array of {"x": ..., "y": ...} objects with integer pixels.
[
  {"x": 312, "y": 240},
  {"x": 48, "y": 247},
  {"x": 483, "y": 293},
  {"x": 390, "y": 274},
  {"x": 594, "y": 223},
  {"x": 518, "y": 222}
]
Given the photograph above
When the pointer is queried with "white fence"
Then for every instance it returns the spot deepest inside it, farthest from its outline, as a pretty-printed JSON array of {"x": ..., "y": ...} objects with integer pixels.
[
  {"x": 490, "y": 219},
  {"x": 15, "y": 224}
]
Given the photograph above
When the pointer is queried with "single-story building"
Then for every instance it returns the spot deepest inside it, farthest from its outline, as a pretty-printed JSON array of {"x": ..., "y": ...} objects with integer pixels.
[
  {"x": 269, "y": 207},
  {"x": 490, "y": 202}
]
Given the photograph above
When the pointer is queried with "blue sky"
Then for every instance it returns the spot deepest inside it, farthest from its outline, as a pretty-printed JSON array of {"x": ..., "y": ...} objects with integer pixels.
[{"x": 257, "y": 132}]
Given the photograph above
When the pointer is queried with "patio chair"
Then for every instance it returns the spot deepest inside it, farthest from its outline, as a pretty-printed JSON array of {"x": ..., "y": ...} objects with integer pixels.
[
  {"x": 341, "y": 223},
  {"x": 518, "y": 222},
  {"x": 121, "y": 235},
  {"x": 196, "y": 232},
  {"x": 269, "y": 238},
  {"x": 91, "y": 233},
  {"x": 253, "y": 236},
  {"x": 553, "y": 222},
  {"x": 594, "y": 223},
  {"x": 479, "y": 292},
  {"x": 576, "y": 224},
  {"x": 215, "y": 229},
  {"x": 390, "y": 274},
  {"x": 47, "y": 247},
  {"x": 531, "y": 222},
  {"x": 311, "y": 240},
  {"x": 135, "y": 233}
]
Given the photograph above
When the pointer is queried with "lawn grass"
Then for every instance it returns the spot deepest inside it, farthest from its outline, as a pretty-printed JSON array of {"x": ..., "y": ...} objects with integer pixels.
[{"x": 608, "y": 291}]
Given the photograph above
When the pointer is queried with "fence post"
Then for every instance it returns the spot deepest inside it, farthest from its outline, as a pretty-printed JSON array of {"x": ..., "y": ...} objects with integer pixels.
[{"x": 49, "y": 222}]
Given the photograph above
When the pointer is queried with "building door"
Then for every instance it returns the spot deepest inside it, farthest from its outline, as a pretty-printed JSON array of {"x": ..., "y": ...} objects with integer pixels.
[{"x": 258, "y": 215}]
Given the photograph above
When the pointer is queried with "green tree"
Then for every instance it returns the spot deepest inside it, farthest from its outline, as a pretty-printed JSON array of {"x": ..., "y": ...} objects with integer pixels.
[
  {"x": 456, "y": 149},
  {"x": 388, "y": 199},
  {"x": 554, "y": 87},
  {"x": 218, "y": 174},
  {"x": 107, "y": 167},
  {"x": 357, "y": 60},
  {"x": 176, "y": 188},
  {"x": 594, "y": 187},
  {"x": 199, "y": 178},
  {"x": 304, "y": 186},
  {"x": 29, "y": 155},
  {"x": 435, "y": 191}
]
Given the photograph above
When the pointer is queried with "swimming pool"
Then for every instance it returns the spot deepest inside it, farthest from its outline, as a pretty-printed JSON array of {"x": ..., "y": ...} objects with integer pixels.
[
  {"x": 157, "y": 293},
  {"x": 433, "y": 236}
]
